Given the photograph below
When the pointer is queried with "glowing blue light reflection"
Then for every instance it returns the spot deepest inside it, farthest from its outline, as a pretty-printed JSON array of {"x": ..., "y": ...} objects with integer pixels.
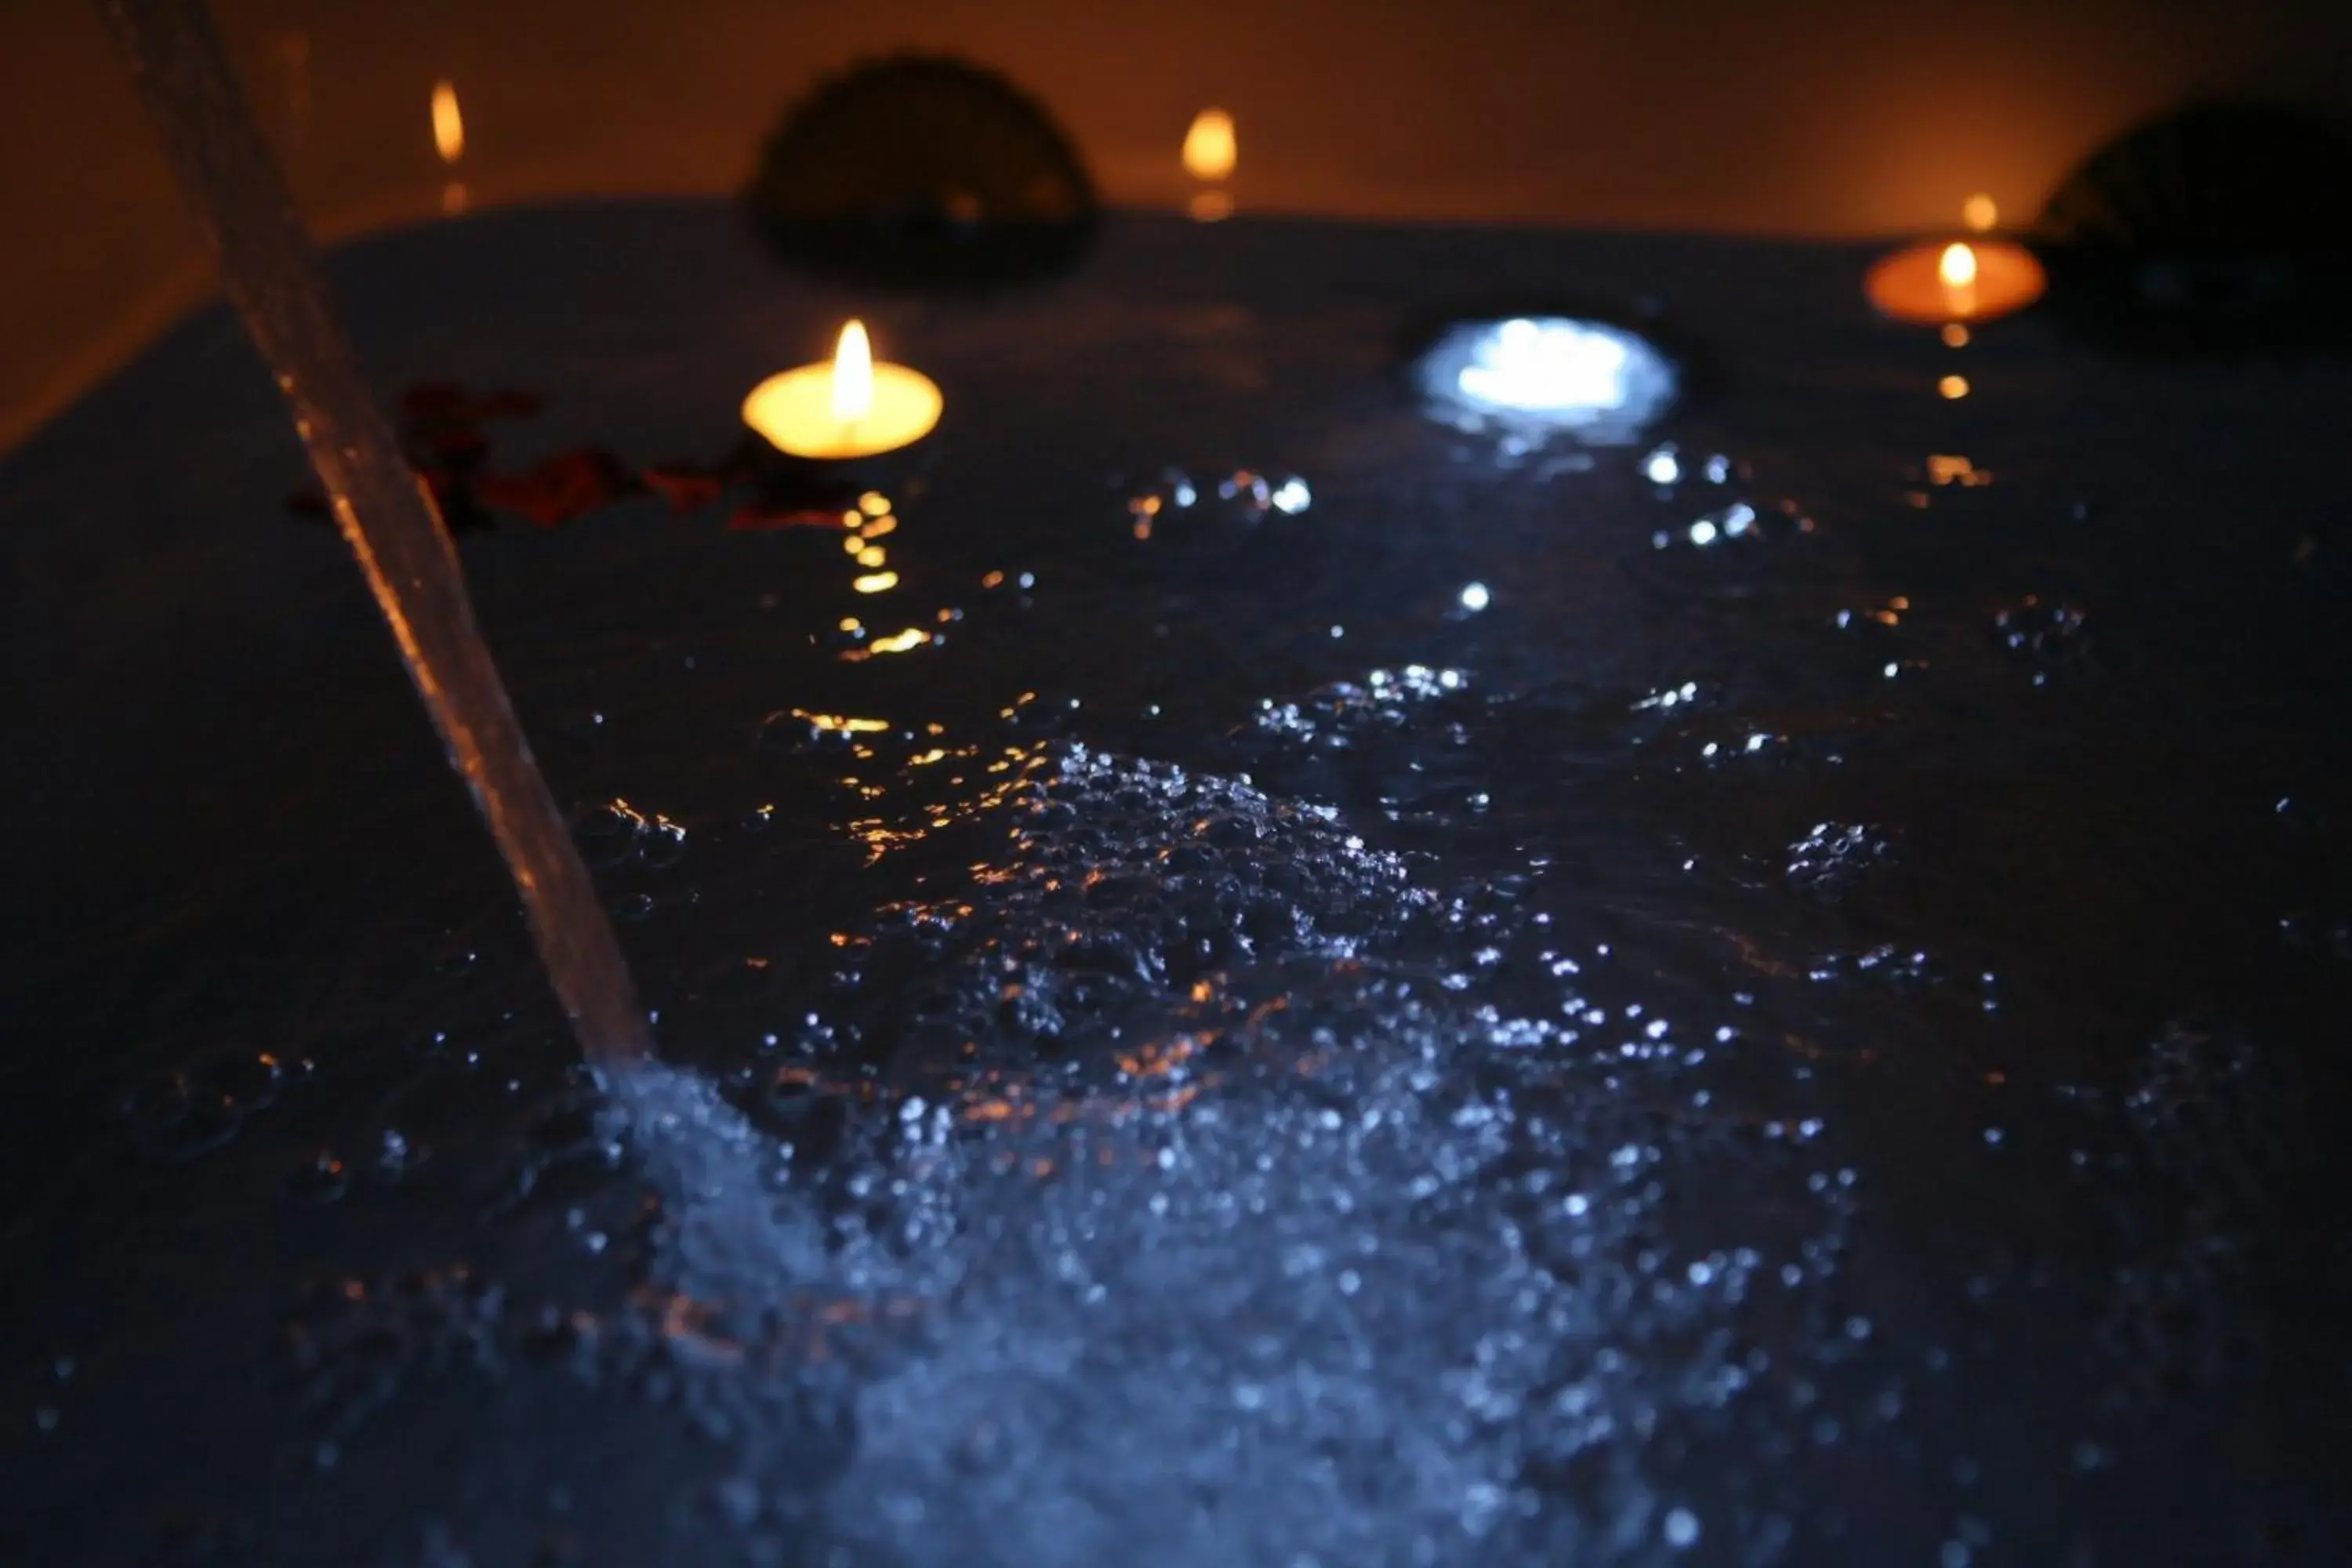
[
  {"x": 1545, "y": 367},
  {"x": 1550, "y": 372}
]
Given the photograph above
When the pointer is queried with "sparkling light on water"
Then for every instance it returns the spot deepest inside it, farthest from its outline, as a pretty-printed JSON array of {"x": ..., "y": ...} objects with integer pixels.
[
  {"x": 1546, "y": 367},
  {"x": 1550, "y": 372}
]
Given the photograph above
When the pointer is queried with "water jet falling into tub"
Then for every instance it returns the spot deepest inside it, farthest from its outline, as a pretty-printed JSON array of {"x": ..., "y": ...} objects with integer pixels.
[{"x": 380, "y": 506}]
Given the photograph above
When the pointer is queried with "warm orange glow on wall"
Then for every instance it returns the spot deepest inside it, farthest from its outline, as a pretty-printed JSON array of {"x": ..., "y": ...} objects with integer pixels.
[{"x": 1980, "y": 212}]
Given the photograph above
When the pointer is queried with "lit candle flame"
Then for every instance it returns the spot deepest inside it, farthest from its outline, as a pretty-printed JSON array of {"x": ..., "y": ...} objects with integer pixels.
[
  {"x": 1209, "y": 150},
  {"x": 852, "y": 375},
  {"x": 848, "y": 406},
  {"x": 1957, "y": 267},
  {"x": 1980, "y": 212},
  {"x": 448, "y": 125}
]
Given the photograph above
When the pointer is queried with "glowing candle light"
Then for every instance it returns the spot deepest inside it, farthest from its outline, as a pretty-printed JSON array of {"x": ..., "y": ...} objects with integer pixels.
[
  {"x": 853, "y": 374},
  {"x": 1980, "y": 212},
  {"x": 449, "y": 125},
  {"x": 449, "y": 140},
  {"x": 1210, "y": 150},
  {"x": 849, "y": 408},
  {"x": 1210, "y": 154},
  {"x": 1940, "y": 282}
]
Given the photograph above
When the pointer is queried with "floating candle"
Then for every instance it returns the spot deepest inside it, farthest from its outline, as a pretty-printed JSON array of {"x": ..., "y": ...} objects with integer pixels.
[
  {"x": 448, "y": 123},
  {"x": 1210, "y": 148},
  {"x": 850, "y": 408},
  {"x": 1938, "y": 282},
  {"x": 1210, "y": 154},
  {"x": 449, "y": 140}
]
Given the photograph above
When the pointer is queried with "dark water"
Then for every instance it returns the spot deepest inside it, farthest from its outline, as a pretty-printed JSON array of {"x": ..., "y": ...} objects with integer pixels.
[{"x": 1819, "y": 1047}]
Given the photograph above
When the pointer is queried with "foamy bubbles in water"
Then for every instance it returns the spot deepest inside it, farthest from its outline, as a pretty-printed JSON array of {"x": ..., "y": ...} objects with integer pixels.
[{"x": 1226, "y": 1201}]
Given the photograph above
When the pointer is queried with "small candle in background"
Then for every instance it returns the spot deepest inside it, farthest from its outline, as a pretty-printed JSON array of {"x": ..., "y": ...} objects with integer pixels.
[
  {"x": 1948, "y": 282},
  {"x": 449, "y": 140},
  {"x": 1210, "y": 152},
  {"x": 847, "y": 407}
]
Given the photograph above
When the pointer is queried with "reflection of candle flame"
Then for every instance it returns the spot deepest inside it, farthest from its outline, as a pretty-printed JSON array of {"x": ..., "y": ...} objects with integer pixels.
[
  {"x": 852, "y": 375},
  {"x": 1210, "y": 206},
  {"x": 1957, "y": 267},
  {"x": 1979, "y": 212},
  {"x": 1209, "y": 148},
  {"x": 448, "y": 125}
]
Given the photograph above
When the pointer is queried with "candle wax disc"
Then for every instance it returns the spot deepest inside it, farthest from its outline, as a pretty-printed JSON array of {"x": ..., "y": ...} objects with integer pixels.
[
  {"x": 1909, "y": 285},
  {"x": 793, "y": 411}
]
